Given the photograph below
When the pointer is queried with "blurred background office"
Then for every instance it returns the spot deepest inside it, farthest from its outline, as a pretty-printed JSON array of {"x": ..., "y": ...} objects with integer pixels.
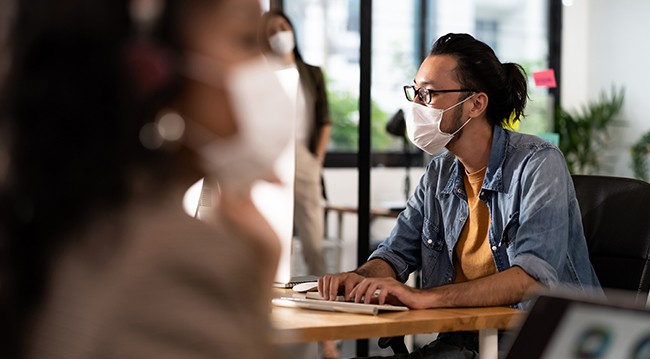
[
  {"x": 595, "y": 48},
  {"x": 590, "y": 44}
]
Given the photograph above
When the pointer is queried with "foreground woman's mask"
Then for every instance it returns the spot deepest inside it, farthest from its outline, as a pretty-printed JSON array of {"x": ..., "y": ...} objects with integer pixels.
[{"x": 264, "y": 119}]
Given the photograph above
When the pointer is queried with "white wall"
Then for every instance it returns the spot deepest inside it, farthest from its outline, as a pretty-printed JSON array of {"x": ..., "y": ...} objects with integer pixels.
[{"x": 605, "y": 43}]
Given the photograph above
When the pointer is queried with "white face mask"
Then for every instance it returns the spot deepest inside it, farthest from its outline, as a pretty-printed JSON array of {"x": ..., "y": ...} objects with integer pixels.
[
  {"x": 264, "y": 121},
  {"x": 423, "y": 127},
  {"x": 282, "y": 42}
]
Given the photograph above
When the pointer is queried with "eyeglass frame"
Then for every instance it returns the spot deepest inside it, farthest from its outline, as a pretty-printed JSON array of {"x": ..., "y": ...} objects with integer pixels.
[{"x": 430, "y": 93}]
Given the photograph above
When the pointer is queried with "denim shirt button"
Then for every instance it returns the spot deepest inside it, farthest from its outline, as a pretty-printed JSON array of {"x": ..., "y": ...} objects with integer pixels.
[
  {"x": 494, "y": 248},
  {"x": 429, "y": 241}
]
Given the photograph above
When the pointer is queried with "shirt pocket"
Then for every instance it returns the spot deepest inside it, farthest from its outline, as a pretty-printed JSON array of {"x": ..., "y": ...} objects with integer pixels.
[
  {"x": 431, "y": 240},
  {"x": 436, "y": 267}
]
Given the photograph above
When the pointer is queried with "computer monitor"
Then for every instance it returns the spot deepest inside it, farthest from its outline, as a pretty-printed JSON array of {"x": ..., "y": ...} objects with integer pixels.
[{"x": 274, "y": 201}]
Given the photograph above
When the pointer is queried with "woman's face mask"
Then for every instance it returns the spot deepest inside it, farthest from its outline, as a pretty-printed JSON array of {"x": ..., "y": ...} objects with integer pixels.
[
  {"x": 423, "y": 127},
  {"x": 282, "y": 42}
]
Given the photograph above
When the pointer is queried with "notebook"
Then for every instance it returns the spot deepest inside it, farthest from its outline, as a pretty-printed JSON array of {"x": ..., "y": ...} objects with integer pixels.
[
  {"x": 564, "y": 327},
  {"x": 292, "y": 281},
  {"x": 336, "y": 306}
]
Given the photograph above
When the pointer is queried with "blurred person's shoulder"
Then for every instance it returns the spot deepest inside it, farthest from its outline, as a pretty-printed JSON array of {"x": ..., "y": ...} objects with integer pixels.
[
  {"x": 167, "y": 236},
  {"x": 149, "y": 269}
]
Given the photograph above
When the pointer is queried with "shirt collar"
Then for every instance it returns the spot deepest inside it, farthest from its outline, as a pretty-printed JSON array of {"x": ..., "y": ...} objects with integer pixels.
[{"x": 494, "y": 174}]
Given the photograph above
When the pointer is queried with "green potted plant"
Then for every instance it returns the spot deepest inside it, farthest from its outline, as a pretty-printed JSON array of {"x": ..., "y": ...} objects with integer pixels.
[
  {"x": 640, "y": 151},
  {"x": 585, "y": 132}
]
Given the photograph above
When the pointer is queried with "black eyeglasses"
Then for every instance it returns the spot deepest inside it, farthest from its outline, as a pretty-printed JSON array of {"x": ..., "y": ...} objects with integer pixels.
[{"x": 426, "y": 95}]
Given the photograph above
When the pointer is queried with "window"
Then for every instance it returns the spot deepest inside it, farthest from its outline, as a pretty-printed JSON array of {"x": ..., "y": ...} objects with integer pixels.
[
  {"x": 517, "y": 30},
  {"x": 487, "y": 30},
  {"x": 328, "y": 36}
]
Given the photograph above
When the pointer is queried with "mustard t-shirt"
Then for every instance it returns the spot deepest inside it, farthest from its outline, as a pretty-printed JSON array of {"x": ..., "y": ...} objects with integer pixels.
[{"x": 472, "y": 254}]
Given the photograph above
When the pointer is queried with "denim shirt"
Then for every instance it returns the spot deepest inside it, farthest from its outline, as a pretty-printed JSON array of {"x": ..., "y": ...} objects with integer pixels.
[{"x": 535, "y": 220}]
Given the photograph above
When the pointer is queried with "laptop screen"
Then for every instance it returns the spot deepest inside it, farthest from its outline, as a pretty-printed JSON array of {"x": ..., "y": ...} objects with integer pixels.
[{"x": 559, "y": 327}]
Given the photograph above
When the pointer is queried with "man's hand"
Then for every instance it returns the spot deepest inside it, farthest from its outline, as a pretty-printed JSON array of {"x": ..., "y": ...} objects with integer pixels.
[
  {"x": 390, "y": 291},
  {"x": 504, "y": 288},
  {"x": 329, "y": 285}
]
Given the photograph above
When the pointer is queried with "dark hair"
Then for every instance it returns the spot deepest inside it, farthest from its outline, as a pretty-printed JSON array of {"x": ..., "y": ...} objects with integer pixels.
[
  {"x": 266, "y": 17},
  {"x": 480, "y": 69},
  {"x": 73, "y": 107}
]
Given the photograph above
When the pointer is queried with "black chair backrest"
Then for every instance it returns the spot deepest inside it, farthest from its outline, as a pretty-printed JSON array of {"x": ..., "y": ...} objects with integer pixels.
[{"x": 616, "y": 219}]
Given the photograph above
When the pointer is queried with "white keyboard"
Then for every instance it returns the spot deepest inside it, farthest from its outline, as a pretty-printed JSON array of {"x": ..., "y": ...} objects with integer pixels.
[{"x": 336, "y": 306}]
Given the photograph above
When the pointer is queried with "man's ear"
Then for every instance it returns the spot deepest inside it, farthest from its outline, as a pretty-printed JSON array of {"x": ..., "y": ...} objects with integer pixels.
[{"x": 479, "y": 104}]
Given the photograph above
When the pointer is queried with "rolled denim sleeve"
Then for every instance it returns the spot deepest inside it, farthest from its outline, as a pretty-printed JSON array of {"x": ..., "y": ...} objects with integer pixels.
[{"x": 542, "y": 239}]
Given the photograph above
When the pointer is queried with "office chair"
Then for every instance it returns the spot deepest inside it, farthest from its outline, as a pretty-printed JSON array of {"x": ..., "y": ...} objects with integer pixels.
[{"x": 616, "y": 220}]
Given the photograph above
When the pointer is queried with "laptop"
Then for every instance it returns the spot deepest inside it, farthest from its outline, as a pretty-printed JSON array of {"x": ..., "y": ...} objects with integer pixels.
[{"x": 566, "y": 327}]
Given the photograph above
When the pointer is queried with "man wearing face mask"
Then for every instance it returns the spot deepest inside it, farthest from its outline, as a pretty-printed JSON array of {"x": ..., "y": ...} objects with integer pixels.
[{"x": 494, "y": 218}]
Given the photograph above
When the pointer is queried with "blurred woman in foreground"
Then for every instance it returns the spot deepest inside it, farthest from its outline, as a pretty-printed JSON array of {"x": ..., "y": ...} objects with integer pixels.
[{"x": 112, "y": 110}]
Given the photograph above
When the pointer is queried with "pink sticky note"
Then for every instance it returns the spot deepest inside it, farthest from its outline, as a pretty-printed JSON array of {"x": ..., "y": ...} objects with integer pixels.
[{"x": 545, "y": 78}]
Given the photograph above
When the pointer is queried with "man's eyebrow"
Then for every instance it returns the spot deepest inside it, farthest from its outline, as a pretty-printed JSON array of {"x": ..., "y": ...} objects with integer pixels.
[{"x": 423, "y": 82}]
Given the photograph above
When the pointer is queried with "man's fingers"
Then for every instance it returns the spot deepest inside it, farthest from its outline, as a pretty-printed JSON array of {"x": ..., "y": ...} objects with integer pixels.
[
  {"x": 359, "y": 290},
  {"x": 383, "y": 294},
  {"x": 333, "y": 288},
  {"x": 370, "y": 292},
  {"x": 323, "y": 284}
]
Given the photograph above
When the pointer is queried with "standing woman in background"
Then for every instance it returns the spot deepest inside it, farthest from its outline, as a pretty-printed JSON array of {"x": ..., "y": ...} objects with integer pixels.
[
  {"x": 278, "y": 42},
  {"x": 112, "y": 109}
]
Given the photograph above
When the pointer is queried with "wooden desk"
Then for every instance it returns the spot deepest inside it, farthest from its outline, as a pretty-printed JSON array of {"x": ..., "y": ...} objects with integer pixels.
[{"x": 295, "y": 325}]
